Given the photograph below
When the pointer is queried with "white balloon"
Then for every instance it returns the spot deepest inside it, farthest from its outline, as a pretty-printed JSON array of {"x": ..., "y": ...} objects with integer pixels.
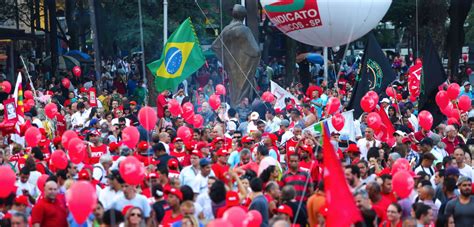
[{"x": 326, "y": 23}]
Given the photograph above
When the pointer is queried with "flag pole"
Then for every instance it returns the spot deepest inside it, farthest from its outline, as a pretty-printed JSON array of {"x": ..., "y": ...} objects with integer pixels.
[
  {"x": 325, "y": 55},
  {"x": 165, "y": 22},
  {"x": 142, "y": 45},
  {"x": 29, "y": 77}
]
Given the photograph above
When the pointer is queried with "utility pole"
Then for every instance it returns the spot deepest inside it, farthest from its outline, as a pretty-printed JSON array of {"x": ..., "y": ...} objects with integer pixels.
[
  {"x": 165, "y": 22},
  {"x": 95, "y": 38}
]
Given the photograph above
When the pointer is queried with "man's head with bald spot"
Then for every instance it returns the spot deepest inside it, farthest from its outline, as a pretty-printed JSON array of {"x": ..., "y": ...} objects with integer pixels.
[{"x": 51, "y": 190}]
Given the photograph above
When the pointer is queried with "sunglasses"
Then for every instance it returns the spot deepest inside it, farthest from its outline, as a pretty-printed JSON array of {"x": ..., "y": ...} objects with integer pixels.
[{"x": 136, "y": 214}]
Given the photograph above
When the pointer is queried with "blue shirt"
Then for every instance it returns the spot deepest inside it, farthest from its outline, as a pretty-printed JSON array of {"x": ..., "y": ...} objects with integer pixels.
[
  {"x": 260, "y": 204},
  {"x": 139, "y": 201}
]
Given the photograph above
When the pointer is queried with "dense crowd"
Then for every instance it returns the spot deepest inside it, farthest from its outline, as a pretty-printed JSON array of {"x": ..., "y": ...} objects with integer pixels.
[{"x": 252, "y": 155}]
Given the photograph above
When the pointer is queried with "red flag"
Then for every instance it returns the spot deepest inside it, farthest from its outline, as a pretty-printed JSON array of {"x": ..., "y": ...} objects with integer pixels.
[
  {"x": 342, "y": 210},
  {"x": 385, "y": 132}
]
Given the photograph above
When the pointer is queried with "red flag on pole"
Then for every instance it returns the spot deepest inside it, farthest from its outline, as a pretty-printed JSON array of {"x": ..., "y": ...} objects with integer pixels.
[
  {"x": 341, "y": 207},
  {"x": 385, "y": 133}
]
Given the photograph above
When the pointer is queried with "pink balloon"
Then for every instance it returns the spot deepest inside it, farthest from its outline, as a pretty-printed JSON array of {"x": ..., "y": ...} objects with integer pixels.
[
  {"x": 254, "y": 218},
  {"x": 400, "y": 164},
  {"x": 425, "y": 120},
  {"x": 333, "y": 105},
  {"x": 373, "y": 120},
  {"x": 66, "y": 83},
  {"x": 147, "y": 118},
  {"x": 51, "y": 109},
  {"x": 337, "y": 121},
  {"x": 174, "y": 107},
  {"x": 188, "y": 109},
  {"x": 455, "y": 113},
  {"x": 66, "y": 137},
  {"x": 76, "y": 150},
  {"x": 220, "y": 223},
  {"x": 403, "y": 183},
  {"x": 28, "y": 94},
  {"x": 32, "y": 136},
  {"x": 132, "y": 170},
  {"x": 214, "y": 102},
  {"x": 82, "y": 200},
  {"x": 367, "y": 104},
  {"x": 76, "y": 70},
  {"x": 447, "y": 109},
  {"x": 468, "y": 71},
  {"x": 235, "y": 215},
  {"x": 220, "y": 89},
  {"x": 185, "y": 133},
  {"x": 190, "y": 119},
  {"x": 130, "y": 136},
  {"x": 7, "y": 87},
  {"x": 453, "y": 91},
  {"x": 464, "y": 103},
  {"x": 7, "y": 181},
  {"x": 452, "y": 121},
  {"x": 268, "y": 97},
  {"x": 41, "y": 182},
  {"x": 391, "y": 92},
  {"x": 373, "y": 95},
  {"x": 198, "y": 121},
  {"x": 59, "y": 159}
]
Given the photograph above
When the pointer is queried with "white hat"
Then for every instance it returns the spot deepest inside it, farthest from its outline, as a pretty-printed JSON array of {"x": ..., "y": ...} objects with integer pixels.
[
  {"x": 385, "y": 100},
  {"x": 254, "y": 116}
]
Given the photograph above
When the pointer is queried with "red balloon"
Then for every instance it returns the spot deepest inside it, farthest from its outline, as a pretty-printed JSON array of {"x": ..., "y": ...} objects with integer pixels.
[
  {"x": 453, "y": 91},
  {"x": 66, "y": 137},
  {"x": 235, "y": 215},
  {"x": 400, "y": 164},
  {"x": 59, "y": 159},
  {"x": 132, "y": 170},
  {"x": 51, "y": 109},
  {"x": 464, "y": 103},
  {"x": 464, "y": 57},
  {"x": 174, "y": 107},
  {"x": 66, "y": 82},
  {"x": 76, "y": 70},
  {"x": 214, "y": 102},
  {"x": 413, "y": 98},
  {"x": 425, "y": 120},
  {"x": 32, "y": 136},
  {"x": 185, "y": 133},
  {"x": 28, "y": 94},
  {"x": 130, "y": 136},
  {"x": 76, "y": 150},
  {"x": 373, "y": 120},
  {"x": 30, "y": 102},
  {"x": 367, "y": 104},
  {"x": 333, "y": 105},
  {"x": 442, "y": 99},
  {"x": 190, "y": 119},
  {"x": 220, "y": 89},
  {"x": 7, "y": 180},
  {"x": 447, "y": 110},
  {"x": 268, "y": 97},
  {"x": 399, "y": 97},
  {"x": 198, "y": 121},
  {"x": 452, "y": 121},
  {"x": 7, "y": 87},
  {"x": 254, "y": 218},
  {"x": 188, "y": 110},
  {"x": 468, "y": 71},
  {"x": 338, "y": 121},
  {"x": 373, "y": 95},
  {"x": 147, "y": 117},
  {"x": 82, "y": 200},
  {"x": 41, "y": 182},
  {"x": 391, "y": 92},
  {"x": 219, "y": 223},
  {"x": 455, "y": 113},
  {"x": 403, "y": 183}
]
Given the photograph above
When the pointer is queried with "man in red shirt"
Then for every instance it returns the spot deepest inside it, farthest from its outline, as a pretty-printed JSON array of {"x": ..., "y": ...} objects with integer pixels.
[
  {"x": 221, "y": 168},
  {"x": 178, "y": 152},
  {"x": 50, "y": 210},
  {"x": 307, "y": 164},
  {"x": 161, "y": 103},
  {"x": 97, "y": 149},
  {"x": 451, "y": 140},
  {"x": 175, "y": 196}
]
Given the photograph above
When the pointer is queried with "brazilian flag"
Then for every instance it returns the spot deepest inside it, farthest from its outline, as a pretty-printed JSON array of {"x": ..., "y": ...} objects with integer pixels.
[{"x": 181, "y": 57}]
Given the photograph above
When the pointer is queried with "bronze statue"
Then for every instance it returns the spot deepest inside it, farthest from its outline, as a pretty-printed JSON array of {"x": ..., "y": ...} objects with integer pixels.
[{"x": 237, "y": 48}]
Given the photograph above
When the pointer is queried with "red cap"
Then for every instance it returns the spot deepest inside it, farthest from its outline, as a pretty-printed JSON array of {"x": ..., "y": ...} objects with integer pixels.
[
  {"x": 217, "y": 139},
  {"x": 57, "y": 140},
  {"x": 44, "y": 142},
  {"x": 176, "y": 192},
  {"x": 132, "y": 103},
  {"x": 190, "y": 145},
  {"x": 114, "y": 146},
  {"x": 407, "y": 139},
  {"x": 126, "y": 208},
  {"x": 247, "y": 139},
  {"x": 173, "y": 163},
  {"x": 222, "y": 152},
  {"x": 232, "y": 199},
  {"x": 177, "y": 139},
  {"x": 200, "y": 145},
  {"x": 278, "y": 111},
  {"x": 353, "y": 148},
  {"x": 143, "y": 145},
  {"x": 197, "y": 153},
  {"x": 95, "y": 133},
  {"x": 84, "y": 174},
  {"x": 289, "y": 107},
  {"x": 285, "y": 209},
  {"x": 83, "y": 90},
  {"x": 152, "y": 175},
  {"x": 306, "y": 148},
  {"x": 23, "y": 200}
]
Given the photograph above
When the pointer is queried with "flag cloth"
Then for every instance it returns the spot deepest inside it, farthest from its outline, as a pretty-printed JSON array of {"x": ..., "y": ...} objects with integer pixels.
[
  {"x": 18, "y": 96},
  {"x": 385, "y": 133},
  {"x": 325, "y": 126},
  {"x": 375, "y": 74},
  {"x": 432, "y": 76},
  {"x": 181, "y": 56},
  {"x": 280, "y": 95},
  {"x": 341, "y": 207}
]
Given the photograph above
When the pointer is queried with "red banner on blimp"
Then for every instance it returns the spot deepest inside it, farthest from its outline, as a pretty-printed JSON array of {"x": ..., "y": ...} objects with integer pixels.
[{"x": 291, "y": 15}]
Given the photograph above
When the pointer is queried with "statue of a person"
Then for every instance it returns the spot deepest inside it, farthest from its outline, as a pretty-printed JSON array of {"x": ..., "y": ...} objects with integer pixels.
[{"x": 237, "y": 48}]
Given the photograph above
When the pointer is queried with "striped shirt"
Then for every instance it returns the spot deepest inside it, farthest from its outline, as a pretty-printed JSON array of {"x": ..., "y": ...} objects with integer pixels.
[{"x": 298, "y": 181}]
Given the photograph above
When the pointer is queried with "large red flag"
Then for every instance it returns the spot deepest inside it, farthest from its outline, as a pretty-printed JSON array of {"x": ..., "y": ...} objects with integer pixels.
[
  {"x": 385, "y": 132},
  {"x": 342, "y": 210}
]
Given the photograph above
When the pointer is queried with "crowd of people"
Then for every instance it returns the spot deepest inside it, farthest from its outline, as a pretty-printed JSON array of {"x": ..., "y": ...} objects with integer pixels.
[{"x": 252, "y": 155}]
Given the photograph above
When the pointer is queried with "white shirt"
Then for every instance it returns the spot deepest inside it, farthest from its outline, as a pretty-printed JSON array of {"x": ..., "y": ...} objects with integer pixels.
[
  {"x": 205, "y": 201},
  {"x": 414, "y": 122},
  {"x": 32, "y": 189},
  {"x": 167, "y": 147},
  {"x": 99, "y": 173},
  {"x": 79, "y": 118},
  {"x": 273, "y": 125},
  {"x": 187, "y": 175},
  {"x": 286, "y": 136},
  {"x": 362, "y": 145},
  {"x": 107, "y": 195},
  {"x": 466, "y": 171},
  {"x": 428, "y": 170},
  {"x": 38, "y": 122}
]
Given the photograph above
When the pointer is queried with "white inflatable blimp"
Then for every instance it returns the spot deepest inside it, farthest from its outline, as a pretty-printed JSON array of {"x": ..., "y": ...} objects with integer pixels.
[{"x": 325, "y": 23}]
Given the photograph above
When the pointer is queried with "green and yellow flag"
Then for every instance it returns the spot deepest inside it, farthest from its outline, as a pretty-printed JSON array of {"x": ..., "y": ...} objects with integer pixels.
[{"x": 182, "y": 56}]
